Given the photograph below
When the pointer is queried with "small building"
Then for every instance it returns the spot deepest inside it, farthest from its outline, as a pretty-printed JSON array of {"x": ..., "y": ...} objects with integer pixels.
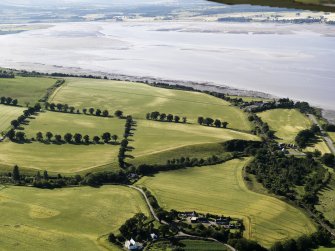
[
  {"x": 194, "y": 219},
  {"x": 153, "y": 236},
  {"x": 131, "y": 245}
]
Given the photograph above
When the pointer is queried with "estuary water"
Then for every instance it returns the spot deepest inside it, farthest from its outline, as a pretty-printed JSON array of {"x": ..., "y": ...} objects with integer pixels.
[{"x": 287, "y": 60}]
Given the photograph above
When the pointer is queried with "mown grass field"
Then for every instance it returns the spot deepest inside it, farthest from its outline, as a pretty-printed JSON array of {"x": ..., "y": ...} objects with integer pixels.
[
  {"x": 320, "y": 145},
  {"x": 189, "y": 245},
  {"x": 286, "y": 123},
  {"x": 223, "y": 191},
  {"x": 139, "y": 99},
  {"x": 332, "y": 136},
  {"x": 64, "y": 219},
  {"x": 7, "y": 114},
  {"x": 64, "y": 159},
  {"x": 61, "y": 123},
  {"x": 29, "y": 89},
  {"x": 194, "y": 245},
  {"x": 154, "y": 139},
  {"x": 327, "y": 200}
]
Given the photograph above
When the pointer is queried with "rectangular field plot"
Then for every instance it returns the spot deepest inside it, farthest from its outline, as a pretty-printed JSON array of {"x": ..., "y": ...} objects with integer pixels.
[
  {"x": 64, "y": 219},
  {"x": 7, "y": 114},
  {"x": 139, "y": 99},
  {"x": 152, "y": 137},
  {"x": 62, "y": 123},
  {"x": 220, "y": 190},
  {"x": 65, "y": 158},
  {"x": 29, "y": 89}
]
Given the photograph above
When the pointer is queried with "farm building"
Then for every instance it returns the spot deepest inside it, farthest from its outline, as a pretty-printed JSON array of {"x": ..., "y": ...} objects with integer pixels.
[{"x": 132, "y": 245}]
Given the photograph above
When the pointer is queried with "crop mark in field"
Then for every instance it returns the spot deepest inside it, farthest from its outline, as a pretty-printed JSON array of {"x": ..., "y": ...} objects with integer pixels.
[
  {"x": 154, "y": 96},
  {"x": 39, "y": 212}
]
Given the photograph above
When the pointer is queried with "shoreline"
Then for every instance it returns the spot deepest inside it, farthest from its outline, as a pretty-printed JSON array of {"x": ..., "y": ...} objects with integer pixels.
[{"x": 328, "y": 114}]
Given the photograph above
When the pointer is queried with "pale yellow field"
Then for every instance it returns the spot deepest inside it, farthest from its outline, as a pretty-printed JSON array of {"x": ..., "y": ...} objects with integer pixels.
[
  {"x": 7, "y": 114},
  {"x": 286, "y": 123},
  {"x": 64, "y": 219},
  {"x": 221, "y": 190}
]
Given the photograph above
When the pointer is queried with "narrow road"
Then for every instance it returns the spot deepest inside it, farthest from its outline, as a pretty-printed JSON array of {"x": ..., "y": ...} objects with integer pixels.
[
  {"x": 328, "y": 140},
  {"x": 329, "y": 229},
  {"x": 180, "y": 234}
]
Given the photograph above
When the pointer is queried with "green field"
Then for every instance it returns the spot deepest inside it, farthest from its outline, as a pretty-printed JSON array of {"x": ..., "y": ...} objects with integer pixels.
[
  {"x": 223, "y": 191},
  {"x": 65, "y": 159},
  {"x": 157, "y": 139},
  {"x": 286, "y": 123},
  {"x": 189, "y": 245},
  {"x": 332, "y": 136},
  {"x": 29, "y": 89},
  {"x": 153, "y": 141},
  {"x": 320, "y": 145},
  {"x": 7, "y": 114},
  {"x": 61, "y": 123},
  {"x": 191, "y": 151},
  {"x": 139, "y": 99},
  {"x": 64, "y": 219},
  {"x": 327, "y": 200},
  {"x": 194, "y": 245}
]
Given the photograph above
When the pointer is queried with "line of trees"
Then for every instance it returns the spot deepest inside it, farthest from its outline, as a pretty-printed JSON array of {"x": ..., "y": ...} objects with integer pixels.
[
  {"x": 20, "y": 136},
  {"x": 304, "y": 242},
  {"x": 165, "y": 117},
  {"x": 8, "y": 101},
  {"x": 6, "y": 74},
  {"x": 307, "y": 136},
  {"x": 124, "y": 146},
  {"x": 260, "y": 128},
  {"x": 179, "y": 163},
  {"x": 211, "y": 122},
  {"x": 76, "y": 138},
  {"x": 44, "y": 180},
  {"x": 329, "y": 127},
  {"x": 88, "y": 111},
  {"x": 51, "y": 89}
]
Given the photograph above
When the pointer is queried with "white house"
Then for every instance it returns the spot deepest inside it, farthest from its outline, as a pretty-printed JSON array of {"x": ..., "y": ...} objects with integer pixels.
[
  {"x": 153, "y": 236},
  {"x": 131, "y": 245}
]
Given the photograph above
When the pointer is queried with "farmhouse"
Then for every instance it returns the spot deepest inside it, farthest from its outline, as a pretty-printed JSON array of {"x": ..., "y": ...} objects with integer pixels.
[
  {"x": 132, "y": 245},
  {"x": 194, "y": 219},
  {"x": 154, "y": 236}
]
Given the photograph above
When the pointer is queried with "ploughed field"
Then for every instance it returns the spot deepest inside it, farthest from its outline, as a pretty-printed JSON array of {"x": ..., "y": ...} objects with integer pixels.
[
  {"x": 220, "y": 190},
  {"x": 64, "y": 219},
  {"x": 152, "y": 140}
]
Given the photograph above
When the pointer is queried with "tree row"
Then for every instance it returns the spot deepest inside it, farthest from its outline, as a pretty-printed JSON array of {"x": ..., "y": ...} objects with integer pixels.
[
  {"x": 165, "y": 117},
  {"x": 88, "y": 111},
  {"x": 211, "y": 122}
]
